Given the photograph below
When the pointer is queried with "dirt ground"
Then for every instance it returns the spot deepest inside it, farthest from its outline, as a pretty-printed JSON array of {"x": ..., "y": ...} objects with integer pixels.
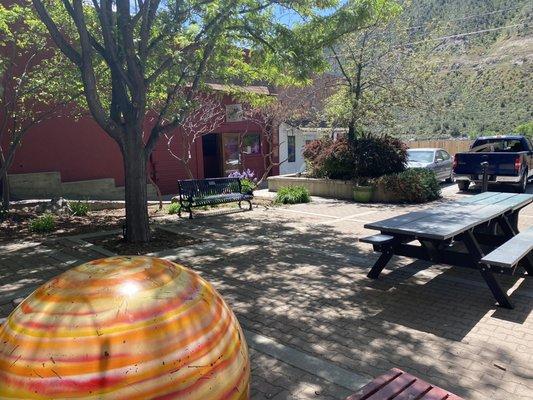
[{"x": 16, "y": 224}]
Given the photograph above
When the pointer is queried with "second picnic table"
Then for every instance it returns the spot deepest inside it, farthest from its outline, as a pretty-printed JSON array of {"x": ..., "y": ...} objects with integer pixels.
[{"x": 461, "y": 233}]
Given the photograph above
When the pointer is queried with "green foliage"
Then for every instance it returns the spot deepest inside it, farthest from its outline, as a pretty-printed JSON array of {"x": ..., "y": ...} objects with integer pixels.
[
  {"x": 525, "y": 129},
  {"x": 247, "y": 186},
  {"x": 361, "y": 159},
  {"x": 174, "y": 208},
  {"x": 78, "y": 208},
  {"x": 483, "y": 81},
  {"x": 43, "y": 224},
  {"x": 292, "y": 195},
  {"x": 417, "y": 185}
]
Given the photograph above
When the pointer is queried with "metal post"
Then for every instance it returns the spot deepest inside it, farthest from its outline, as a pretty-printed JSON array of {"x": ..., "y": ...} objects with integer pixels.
[{"x": 485, "y": 182}]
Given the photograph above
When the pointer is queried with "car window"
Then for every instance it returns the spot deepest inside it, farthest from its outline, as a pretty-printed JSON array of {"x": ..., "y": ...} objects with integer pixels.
[
  {"x": 420, "y": 156},
  {"x": 445, "y": 155},
  {"x": 439, "y": 156},
  {"x": 498, "y": 145}
]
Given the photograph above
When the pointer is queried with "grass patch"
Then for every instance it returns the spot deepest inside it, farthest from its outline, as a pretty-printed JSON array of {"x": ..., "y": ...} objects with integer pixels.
[
  {"x": 43, "y": 224},
  {"x": 292, "y": 195},
  {"x": 78, "y": 208},
  {"x": 174, "y": 208}
]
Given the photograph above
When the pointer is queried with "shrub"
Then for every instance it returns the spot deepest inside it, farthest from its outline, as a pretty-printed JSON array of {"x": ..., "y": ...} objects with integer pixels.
[
  {"x": 174, "y": 208},
  {"x": 364, "y": 158},
  {"x": 292, "y": 195},
  {"x": 378, "y": 156},
  {"x": 417, "y": 185},
  {"x": 78, "y": 208},
  {"x": 44, "y": 223},
  {"x": 313, "y": 154},
  {"x": 247, "y": 186}
]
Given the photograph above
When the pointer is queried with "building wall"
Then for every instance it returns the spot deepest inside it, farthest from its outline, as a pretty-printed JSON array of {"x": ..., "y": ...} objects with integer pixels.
[
  {"x": 79, "y": 150},
  {"x": 300, "y": 138}
]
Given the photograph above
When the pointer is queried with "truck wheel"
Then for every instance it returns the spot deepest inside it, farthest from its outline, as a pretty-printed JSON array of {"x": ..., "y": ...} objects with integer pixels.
[
  {"x": 522, "y": 186},
  {"x": 463, "y": 185}
]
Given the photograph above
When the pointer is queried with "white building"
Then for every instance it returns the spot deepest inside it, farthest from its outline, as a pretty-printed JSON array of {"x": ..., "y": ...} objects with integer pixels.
[{"x": 292, "y": 141}]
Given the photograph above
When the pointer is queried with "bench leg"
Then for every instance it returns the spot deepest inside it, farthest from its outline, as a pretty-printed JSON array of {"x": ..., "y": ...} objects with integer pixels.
[
  {"x": 476, "y": 254},
  {"x": 497, "y": 291},
  {"x": 381, "y": 262}
]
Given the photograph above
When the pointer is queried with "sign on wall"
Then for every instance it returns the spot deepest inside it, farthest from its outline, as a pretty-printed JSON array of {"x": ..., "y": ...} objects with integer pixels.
[{"x": 234, "y": 112}]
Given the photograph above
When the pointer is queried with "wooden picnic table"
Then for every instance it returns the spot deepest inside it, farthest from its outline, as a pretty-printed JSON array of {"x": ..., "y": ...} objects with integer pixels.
[{"x": 457, "y": 233}]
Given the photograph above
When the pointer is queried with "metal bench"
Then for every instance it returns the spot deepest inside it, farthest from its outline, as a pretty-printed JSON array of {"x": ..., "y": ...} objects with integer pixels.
[
  {"x": 205, "y": 192},
  {"x": 509, "y": 254},
  {"x": 399, "y": 385}
]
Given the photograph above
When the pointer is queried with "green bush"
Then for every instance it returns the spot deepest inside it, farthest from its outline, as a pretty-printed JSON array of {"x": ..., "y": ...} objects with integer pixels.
[
  {"x": 292, "y": 195},
  {"x": 174, "y": 208},
  {"x": 43, "y": 224},
  {"x": 247, "y": 186},
  {"x": 417, "y": 185},
  {"x": 364, "y": 158},
  {"x": 78, "y": 208},
  {"x": 378, "y": 156}
]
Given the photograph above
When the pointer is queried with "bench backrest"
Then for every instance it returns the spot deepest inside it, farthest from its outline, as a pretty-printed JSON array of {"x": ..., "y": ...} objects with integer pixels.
[{"x": 198, "y": 188}]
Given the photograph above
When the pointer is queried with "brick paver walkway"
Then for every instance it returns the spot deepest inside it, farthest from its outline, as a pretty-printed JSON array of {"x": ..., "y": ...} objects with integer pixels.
[{"x": 297, "y": 276}]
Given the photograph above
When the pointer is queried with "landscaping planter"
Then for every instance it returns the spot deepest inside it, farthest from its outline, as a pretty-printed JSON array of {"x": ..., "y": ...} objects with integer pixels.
[
  {"x": 363, "y": 194},
  {"x": 329, "y": 188}
]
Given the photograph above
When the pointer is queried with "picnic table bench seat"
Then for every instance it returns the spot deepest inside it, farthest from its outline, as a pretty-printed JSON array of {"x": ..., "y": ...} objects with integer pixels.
[
  {"x": 399, "y": 385},
  {"x": 212, "y": 191},
  {"x": 461, "y": 233},
  {"x": 509, "y": 254},
  {"x": 377, "y": 240}
]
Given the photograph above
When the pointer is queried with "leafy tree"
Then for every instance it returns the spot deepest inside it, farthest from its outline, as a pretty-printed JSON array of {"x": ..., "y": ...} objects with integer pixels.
[
  {"x": 149, "y": 58},
  {"x": 380, "y": 74},
  {"x": 525, "y": 129},
  {"x": 31, "y": 82}
]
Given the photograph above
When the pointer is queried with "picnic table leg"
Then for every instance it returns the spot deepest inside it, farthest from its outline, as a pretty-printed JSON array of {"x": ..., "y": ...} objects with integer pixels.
[
  {"x": 476, "y": 254},
  {"x": 381, "y": 262}
]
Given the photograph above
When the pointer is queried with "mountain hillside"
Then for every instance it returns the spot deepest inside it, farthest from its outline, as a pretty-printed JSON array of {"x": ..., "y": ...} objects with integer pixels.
[{"x": 484, "y": 82}]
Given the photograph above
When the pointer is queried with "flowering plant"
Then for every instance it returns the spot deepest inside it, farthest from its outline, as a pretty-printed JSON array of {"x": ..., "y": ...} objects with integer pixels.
[
  {"x": 247, "y": 178},
  {"x": 247, "y": 174}
]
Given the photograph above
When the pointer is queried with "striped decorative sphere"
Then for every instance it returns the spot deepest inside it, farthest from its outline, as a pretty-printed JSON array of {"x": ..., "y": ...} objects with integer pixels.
[{"x": 124, "y": 328}]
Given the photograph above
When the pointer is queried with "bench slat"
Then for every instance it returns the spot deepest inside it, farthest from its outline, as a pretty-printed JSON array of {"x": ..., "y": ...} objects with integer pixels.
[
  {"x": 511, "y": 252},
  {"x": 375, "y": 385},
  {"x": 377, "y": 239},
  {"x": 399, "y": 385}
]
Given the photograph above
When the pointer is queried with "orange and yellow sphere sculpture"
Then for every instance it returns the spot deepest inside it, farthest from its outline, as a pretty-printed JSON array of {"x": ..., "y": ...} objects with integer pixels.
[{"x": 124, "y": 328}]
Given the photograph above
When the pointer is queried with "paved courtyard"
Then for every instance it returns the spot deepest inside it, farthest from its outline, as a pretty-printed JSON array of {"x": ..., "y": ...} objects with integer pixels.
[{"x": 316, "y": 326}]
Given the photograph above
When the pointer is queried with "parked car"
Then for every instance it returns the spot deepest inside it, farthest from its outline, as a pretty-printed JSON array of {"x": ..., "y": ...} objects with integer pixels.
[
  {"x": 510, "y": 161},
  {"x": 436, "y": 160}
]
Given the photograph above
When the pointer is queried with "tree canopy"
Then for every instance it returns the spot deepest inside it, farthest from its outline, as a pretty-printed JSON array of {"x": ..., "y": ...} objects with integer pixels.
[{"x": 146, "y": 59}]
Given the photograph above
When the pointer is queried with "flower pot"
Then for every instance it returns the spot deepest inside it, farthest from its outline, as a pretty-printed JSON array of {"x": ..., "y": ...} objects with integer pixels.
[{"x": 363, "y": 194}]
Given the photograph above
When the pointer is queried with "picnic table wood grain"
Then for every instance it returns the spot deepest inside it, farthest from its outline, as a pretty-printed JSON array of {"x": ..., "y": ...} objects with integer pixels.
[
  {"x": 479, "y": 223},
  {"x": 399, "y": 385},
  {"x": 451, "y": 219}
]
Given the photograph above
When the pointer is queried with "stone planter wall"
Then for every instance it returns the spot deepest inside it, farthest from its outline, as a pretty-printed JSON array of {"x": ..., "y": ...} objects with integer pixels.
[{"x": 328, "y": 188}]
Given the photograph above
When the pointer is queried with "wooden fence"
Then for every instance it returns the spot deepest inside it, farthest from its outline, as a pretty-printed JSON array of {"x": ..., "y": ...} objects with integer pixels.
[{"x": 451, "y": 146}]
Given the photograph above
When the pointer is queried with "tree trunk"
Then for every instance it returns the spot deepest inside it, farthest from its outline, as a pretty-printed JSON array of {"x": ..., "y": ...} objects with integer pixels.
[
  {"x": 351, "y": 132},
  {"x": 137, "y": 226},
  {"x": 5, "y": 193}
]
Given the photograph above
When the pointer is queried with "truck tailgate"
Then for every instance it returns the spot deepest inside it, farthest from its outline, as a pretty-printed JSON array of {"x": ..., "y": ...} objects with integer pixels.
[{"x": 501, "y": 164}]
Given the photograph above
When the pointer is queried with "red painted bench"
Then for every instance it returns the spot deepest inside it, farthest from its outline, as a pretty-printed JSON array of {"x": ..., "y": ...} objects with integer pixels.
[{"x": 399, "y": 385}]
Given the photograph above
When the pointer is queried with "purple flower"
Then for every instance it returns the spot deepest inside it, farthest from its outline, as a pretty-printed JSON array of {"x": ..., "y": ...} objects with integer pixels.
[{"x": 246, "y": 174}]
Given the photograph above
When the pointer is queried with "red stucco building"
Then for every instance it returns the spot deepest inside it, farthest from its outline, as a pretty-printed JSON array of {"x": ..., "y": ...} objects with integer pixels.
[{"x": 80, "y": 151}]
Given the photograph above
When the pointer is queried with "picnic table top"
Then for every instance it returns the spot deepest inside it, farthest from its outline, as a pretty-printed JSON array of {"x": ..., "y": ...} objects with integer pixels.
[
  {"x": 399, "y": 385},
  {"x": 450, "y": 219}
]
